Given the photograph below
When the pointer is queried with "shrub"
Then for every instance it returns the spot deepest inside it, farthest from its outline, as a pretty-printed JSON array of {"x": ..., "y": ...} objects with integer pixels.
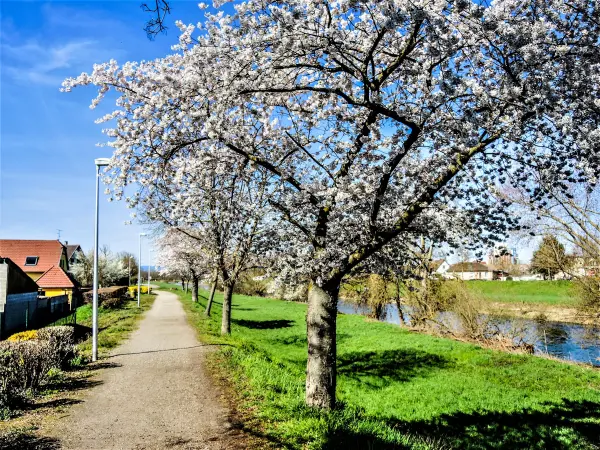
[
  {"x": 143, "y": 290},
  {"x": 23, "y": 336},
  {"x": 587, "y": 290},
  {"x": 247, "y": 285},
  {"x": 105, "y": 294},
  {"x": 24, "y": 366},
  {"x": 113, "y": 303},
  {"x": 62, "y": 342}
]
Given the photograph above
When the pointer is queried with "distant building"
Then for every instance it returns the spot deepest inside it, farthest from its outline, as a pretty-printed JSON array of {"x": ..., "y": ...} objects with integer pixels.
[
  {"x": 502, "y": 257},
  {"x": 470, "y": 271},
  {"x": 439, "y": 266},
  {"x": 74, "y": 253},
  {"x": 44, "y": 261}
]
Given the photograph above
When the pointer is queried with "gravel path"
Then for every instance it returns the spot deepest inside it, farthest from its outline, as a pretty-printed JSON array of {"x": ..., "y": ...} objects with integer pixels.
[{"x": 156, "y": 395}]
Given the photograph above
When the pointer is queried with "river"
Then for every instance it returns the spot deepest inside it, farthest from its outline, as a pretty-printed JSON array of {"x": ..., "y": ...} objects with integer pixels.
[{"x": 567, "y": 341}]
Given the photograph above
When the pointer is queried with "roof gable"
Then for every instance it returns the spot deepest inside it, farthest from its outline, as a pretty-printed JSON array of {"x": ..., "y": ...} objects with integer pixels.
[
  {"x": 55, "y": 277},
  {"x": 49, "y": 253},
  {"x": 72, "y": 249}
]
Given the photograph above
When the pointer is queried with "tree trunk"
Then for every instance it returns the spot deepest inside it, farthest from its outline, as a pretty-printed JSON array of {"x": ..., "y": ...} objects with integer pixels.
[
  {"x": 226, "y": 316},
  {"x": 195, "y": 289},
  {"x": 212, "y": 294},
  {"x": 182, "y": 284},
  {"x": 321, "y": 328}
]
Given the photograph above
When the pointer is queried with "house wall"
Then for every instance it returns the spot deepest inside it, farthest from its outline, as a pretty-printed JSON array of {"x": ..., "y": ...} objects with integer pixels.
[
  {"x": 443, "y": 268},
  {"x": 34, "y": 275},
  {"x": 471, "y": 275},
  {"x": 57, "y": 291}
]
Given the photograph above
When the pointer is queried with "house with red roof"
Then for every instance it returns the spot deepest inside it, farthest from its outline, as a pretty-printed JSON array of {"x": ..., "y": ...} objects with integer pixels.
[{"x": 44, "y": 261}]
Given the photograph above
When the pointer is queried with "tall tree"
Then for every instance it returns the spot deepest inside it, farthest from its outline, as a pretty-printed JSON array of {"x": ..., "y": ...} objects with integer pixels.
[
  {"x": 374, "y": 119},
  {"x": 550, "y": 258}
]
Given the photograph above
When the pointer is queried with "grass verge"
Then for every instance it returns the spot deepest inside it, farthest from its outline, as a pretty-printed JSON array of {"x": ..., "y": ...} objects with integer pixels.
[
  {"x": 114, "y": 324},
  {"x": 397, "y": 389},
  {"x": 25, "y": 429},
  {"x": 554, "y": 293}
]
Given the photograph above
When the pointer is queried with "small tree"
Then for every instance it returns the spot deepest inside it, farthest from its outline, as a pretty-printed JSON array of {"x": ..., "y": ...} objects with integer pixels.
[
  {"x": 550, "y": 258},
  {"x": 111, "y": 270},
  {"x": 181, "y": 255}
]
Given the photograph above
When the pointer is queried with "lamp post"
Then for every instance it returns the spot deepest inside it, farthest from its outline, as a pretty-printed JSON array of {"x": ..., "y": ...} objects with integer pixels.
[
  {"x": 149, "y": 265},
  {"x": 100, "y": 162},
  {"x": 140, "y": 270}
]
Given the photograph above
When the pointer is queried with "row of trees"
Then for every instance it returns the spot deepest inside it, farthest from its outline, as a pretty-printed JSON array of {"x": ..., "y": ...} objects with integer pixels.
[
  {"x": 321, "y": 139},
  {"x": 113, "y": 269}
]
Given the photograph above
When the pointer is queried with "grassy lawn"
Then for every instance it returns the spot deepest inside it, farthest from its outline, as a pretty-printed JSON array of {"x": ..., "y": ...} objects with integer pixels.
[
  {"x": 114, "y": 325},
  {"x": 398, "y": 389},
  {"x": 554, "y": 293}
]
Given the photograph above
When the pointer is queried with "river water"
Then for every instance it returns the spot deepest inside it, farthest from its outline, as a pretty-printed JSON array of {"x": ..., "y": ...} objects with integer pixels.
[{"x": 568, "y": 341}]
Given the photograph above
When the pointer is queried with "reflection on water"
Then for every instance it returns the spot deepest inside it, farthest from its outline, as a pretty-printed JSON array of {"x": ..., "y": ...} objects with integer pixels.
[{"x": 567, "y": 341}]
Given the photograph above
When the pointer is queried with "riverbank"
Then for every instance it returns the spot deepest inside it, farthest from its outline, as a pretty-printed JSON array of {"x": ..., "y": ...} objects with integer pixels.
[
  {"x": 397, "y": 389},
  {"x": 538, "y": 311},
  {"x": 551, "y": 293},
  {"x": 553, "y": 301}
]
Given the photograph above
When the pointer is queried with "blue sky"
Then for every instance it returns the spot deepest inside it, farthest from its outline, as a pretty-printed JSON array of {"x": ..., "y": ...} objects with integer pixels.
[{"x": 48, "y": 138}]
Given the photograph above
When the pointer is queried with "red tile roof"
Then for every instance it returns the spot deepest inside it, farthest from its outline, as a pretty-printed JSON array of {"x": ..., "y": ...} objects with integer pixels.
[
  {"x": 48, "y": 252},
  {"x": 55, "y": 277},
  {"x": 469, "y": 267}
]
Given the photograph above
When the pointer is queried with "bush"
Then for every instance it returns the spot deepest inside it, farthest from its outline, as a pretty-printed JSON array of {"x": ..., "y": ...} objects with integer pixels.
[
  {"x": 587, "y": 290},
  {"x": 26, "y": 360},
  {"x": 133, "y": 290},
  {"x": 23, "y": 336},
  {"x": 105, "y": 294},
  {"x": 24, "y": 366},
  {"x": 247, "y": 285},
  {"x": 62, "y": 342},
  {"x": 113, "y": 303}
]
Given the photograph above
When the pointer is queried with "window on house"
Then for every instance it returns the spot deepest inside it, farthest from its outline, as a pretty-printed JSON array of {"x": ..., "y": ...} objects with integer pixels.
[{"x": 31, "y": 260}]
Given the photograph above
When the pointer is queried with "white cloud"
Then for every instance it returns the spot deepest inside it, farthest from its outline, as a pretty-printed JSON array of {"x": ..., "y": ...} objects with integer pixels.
[{"x": 33, "y": 62}]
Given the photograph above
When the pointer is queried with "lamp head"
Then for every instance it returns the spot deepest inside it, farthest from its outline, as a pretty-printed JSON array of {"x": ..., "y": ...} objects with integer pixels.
[
  {"x": 102, "y": 162},
  {"x": 142, "y": 234}
]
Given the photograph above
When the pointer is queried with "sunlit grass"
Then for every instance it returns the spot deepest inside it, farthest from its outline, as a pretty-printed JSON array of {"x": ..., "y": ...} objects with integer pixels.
[
  {"x": 556, "y": 293},
  {"x": 398, "y": 389},
  {"x": 114, "y": 325}
]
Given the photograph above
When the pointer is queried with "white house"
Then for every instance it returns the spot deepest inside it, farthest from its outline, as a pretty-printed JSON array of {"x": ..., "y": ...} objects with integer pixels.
[
  {"x": 470, "y": 271},
  {"x": 440, "y": 266}
]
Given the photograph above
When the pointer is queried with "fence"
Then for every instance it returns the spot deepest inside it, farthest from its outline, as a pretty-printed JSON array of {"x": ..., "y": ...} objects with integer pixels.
[{"x": 25, "y": 311}]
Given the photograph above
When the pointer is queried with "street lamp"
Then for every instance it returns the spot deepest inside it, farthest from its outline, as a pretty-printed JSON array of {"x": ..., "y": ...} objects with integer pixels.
[
  {"x": 140, "y": 269},
  {"x": 149, "y": 265},
  {"x": 100, "y": 162}
]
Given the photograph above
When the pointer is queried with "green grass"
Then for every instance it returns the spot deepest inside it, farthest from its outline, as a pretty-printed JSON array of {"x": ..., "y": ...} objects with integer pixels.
[
  {"x": 556, "y": 293},
  {"x": 114, "y": 325},
  {"x": 397, "y": 389}
]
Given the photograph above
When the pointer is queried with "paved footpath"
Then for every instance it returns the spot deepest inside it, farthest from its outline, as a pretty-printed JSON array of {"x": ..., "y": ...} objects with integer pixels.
[{"x": 156, "y": 396}]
